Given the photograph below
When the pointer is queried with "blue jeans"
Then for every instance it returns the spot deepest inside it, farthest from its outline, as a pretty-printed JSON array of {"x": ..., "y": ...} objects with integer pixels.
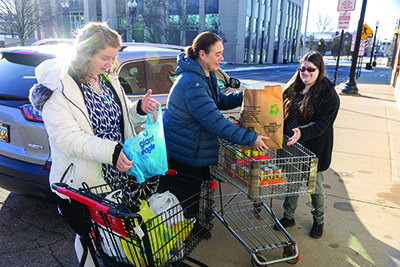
[{"x": 317, "y": 202}]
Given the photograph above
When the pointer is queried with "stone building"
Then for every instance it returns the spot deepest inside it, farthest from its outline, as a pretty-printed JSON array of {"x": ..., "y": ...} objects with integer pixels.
[{"x": 254, "y": 31}]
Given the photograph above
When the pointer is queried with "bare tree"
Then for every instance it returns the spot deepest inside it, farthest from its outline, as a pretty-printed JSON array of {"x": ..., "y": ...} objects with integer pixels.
[
  {"x": 23, "y": 17},
  {"x": 163, "y": 20},
  {"x": 325, "y": 24}
]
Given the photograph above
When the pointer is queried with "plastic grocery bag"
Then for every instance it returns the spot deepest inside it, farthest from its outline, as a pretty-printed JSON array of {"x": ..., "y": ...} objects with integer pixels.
[
  {"x": 148, "y": 150},
  {"x": 167, "y": 206},
  {"x": 162, "y": 240}
]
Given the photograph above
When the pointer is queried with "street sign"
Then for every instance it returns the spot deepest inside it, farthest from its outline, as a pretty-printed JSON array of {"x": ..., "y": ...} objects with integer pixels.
[
  {"x": 344, "y": 20},
  {"x": 362, "y": 48},
  {"x": 346, "y": 5},
  {"x": 366, "y": 42},
  {"x": 353, "y": 41},
  {"x": 366, "y": 31}
]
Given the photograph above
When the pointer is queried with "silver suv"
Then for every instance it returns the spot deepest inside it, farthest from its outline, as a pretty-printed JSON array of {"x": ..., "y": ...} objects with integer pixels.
[{"x": 25, "y": 158}]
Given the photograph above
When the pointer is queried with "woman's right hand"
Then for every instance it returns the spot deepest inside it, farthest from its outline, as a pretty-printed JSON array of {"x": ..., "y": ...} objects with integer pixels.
[
  {"x": 259, "y": 144},
  {"x": 123, "y": 163}
]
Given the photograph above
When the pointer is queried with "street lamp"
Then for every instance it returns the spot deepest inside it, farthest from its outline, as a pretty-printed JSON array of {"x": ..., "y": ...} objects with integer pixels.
[
  {"x": 376, "y": 53},
  {"x": 65, "y": 8},
  {"x": 132, "y": 6},
  {"x": 369, "y": 65}
]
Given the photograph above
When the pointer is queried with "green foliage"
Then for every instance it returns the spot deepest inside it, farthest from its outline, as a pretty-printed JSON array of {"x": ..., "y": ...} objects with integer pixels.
[
  {"x": 311, "y": 43},
  {"x": 321, "y": 47},
  {"x": 335, "y": 47}
]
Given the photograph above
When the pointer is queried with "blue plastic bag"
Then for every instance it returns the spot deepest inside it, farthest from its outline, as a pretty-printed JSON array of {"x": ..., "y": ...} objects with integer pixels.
[{"x": 147, "y": 150}]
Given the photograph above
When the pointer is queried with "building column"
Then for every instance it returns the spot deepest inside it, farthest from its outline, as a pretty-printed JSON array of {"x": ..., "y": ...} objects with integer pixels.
[
  {"x": 109, "y": 13},
  {"x": 89, "y": 10},
  {"x": 202, "y": 15}
]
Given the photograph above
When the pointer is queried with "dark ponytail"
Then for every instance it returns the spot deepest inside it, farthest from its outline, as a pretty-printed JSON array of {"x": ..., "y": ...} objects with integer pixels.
[{"x": 203, "y": 41}]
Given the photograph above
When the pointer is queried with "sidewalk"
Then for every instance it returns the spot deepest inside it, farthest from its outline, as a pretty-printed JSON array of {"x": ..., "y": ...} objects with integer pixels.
[{"x": 362, "y": 189}]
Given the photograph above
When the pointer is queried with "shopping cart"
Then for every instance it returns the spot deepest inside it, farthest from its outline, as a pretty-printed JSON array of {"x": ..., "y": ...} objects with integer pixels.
[
  {"x": 276, "y": 173},
  {"x": 113, "y": 235}
]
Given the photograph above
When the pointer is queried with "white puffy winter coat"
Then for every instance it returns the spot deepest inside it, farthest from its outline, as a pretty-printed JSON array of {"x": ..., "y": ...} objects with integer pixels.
[{"x": 70, "y": 133}]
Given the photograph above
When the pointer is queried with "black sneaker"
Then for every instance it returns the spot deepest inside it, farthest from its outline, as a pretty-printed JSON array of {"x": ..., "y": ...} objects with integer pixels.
[
  {"x": 317, "y": 230},
  {"x": 285, "y": 222}
]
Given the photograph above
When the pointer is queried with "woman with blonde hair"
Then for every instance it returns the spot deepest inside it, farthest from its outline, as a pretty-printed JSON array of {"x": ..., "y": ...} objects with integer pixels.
[{"x": 87, "y": 114}]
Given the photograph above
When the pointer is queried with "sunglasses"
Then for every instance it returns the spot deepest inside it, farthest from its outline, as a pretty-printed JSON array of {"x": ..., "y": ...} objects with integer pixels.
[{"x": 307, "y": 69}]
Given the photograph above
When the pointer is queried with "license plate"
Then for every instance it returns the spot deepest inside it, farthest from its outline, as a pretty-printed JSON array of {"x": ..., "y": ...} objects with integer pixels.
[{"x": 4, "y": 133}]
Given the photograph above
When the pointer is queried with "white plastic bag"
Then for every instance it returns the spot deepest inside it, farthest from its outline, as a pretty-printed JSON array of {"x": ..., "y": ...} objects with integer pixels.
[
  {"x": 109, "y": 242},
  {"x": 167, "y": 206}
]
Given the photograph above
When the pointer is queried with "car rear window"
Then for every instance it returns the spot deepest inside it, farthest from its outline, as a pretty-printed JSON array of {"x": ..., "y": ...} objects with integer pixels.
[
  {"x": 16, "y": 79},
  {"x": 156, "y": 74}
]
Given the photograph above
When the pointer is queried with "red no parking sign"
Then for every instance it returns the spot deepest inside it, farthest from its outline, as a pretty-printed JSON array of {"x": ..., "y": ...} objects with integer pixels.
[{"x": 346, "y": 5}]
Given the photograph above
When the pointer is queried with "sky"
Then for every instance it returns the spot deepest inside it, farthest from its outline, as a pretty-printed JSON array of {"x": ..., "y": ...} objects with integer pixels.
[{"x": 386, "y": 11}]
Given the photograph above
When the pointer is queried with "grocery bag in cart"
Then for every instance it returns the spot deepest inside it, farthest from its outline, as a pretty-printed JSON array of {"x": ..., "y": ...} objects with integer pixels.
[
  {"x": 262, "y": 111},
  {"x": 161, "y": 239},
  {"x": 147, "y": 150}
]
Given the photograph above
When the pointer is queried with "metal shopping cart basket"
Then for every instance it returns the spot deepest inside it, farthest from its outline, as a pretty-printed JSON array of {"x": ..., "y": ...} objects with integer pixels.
[
  {"x": 277, "y": 173},
  {"x": 113, "y": 235}
]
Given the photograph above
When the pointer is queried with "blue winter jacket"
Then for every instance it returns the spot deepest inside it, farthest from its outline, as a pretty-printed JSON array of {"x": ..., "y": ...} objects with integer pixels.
[{"x": 192, "y": 118}]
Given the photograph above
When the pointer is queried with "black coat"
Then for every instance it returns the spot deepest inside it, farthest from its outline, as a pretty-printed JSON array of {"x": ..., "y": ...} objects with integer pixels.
[{"x": 317, "y": 135}]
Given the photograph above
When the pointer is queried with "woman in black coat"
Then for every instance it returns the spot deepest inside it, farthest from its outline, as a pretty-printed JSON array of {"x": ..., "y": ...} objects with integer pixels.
[{"x": 311, "y": 105}]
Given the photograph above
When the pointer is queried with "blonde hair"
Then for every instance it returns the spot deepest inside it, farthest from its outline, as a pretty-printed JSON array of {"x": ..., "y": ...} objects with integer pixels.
[{"x": 89, "y": 40}]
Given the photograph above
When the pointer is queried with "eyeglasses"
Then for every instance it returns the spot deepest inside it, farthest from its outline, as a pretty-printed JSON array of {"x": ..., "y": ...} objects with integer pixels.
[{"x": 307, "y": 69}]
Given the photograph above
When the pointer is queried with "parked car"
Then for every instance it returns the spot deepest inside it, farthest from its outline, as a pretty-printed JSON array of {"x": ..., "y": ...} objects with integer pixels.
[{"x": 25, "y": 156}]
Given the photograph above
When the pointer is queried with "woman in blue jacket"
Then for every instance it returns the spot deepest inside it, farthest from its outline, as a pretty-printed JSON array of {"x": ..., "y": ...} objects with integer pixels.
[{"x": 192, "y": 119}]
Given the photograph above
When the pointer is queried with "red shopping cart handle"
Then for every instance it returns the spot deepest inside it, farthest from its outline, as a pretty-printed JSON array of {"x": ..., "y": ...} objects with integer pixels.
[
  {"x": 63, "y": 189},
  {"x": 212, "y": 184},
  {"x": 170, "y": 172}
]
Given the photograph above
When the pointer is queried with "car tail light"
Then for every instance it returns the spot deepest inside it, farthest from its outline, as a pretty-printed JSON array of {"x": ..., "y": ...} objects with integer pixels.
[
  {"x": 30, "y": 113},
  {"x": 47, "y": 166}
]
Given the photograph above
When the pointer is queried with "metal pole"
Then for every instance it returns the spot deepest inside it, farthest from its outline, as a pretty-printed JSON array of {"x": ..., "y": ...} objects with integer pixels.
[
  {"x": 305, "y": 29},
  {"x": 338, "y": 58},
  {"x": 351, "y": 85},
  {"x": 369, "y": 66},
  {"x": 262, "y": 47}
]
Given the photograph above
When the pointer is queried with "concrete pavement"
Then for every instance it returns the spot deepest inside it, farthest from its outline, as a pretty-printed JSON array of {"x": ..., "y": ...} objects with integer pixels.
[{"x": 362, "y": 190}]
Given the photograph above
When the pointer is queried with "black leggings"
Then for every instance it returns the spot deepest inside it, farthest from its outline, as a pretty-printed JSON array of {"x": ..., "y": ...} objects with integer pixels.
[{"x": 185, "y": 191}]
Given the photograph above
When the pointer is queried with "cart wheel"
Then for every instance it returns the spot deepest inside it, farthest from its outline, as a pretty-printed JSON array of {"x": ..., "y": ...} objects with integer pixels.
[
  {"x": 289, "y": 251},
  {"x": 260, "y": 258}
]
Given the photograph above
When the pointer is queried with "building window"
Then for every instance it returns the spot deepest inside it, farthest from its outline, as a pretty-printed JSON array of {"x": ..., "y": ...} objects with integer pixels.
[
  {"x": 211, "y": 22},
  {"x": 211, "y": 6},
  {"x": 193, "y": 21},
  {"x": 174, "y": 19},
  {"x": 248, "y": 24},
  {"x": 249, "y": 5},
  {"x": 192, "y": 6},
  {"x": 76, "y": 20}
]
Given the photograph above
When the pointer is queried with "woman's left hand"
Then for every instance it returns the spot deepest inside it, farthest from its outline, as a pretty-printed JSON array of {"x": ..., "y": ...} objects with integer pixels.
[
  {"x": 295, "y": 137},
  {"x": 148, "y": 104}
]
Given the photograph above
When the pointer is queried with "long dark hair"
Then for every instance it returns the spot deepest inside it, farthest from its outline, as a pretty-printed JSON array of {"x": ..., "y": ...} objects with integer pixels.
[
  {"x": 203, "y": 41},
  {"x": 296, "y": 85}
]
